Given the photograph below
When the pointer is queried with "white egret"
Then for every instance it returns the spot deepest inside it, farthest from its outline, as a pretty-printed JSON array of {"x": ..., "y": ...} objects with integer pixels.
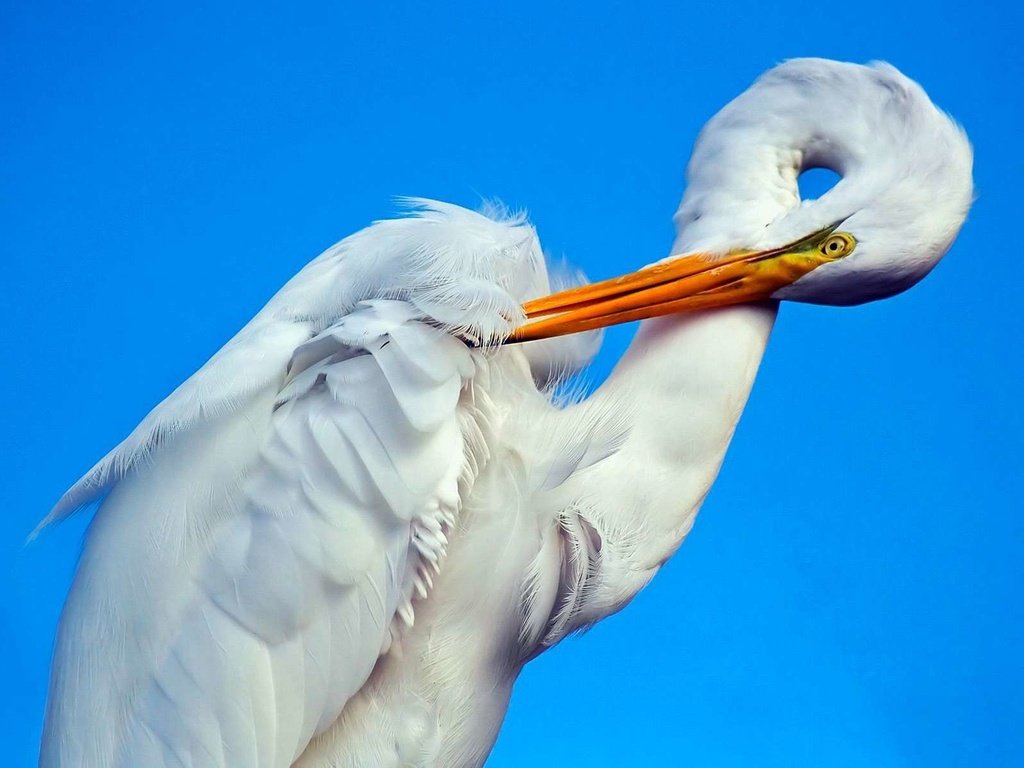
[{"x": 338, "y": 542}]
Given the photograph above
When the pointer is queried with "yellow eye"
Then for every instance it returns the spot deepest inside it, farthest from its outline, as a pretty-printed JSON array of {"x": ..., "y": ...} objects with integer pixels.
[{"x": 837, "y": 245}]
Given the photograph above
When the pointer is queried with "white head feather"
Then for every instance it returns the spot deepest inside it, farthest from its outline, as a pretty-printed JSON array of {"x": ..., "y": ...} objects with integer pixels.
[{"x": 905, "y": 170}]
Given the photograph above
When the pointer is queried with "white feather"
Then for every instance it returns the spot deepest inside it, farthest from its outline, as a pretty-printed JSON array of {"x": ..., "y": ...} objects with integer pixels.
[{"x": 290, "y": 499}]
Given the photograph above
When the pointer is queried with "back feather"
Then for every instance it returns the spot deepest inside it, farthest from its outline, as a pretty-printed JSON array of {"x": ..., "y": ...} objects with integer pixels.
[
  {"x": 464, "y": 271},
  {"x": 265, "y": 528}
]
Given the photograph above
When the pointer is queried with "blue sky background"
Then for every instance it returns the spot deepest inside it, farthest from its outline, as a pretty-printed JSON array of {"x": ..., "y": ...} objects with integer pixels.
[{"x": 851, "y": 592}]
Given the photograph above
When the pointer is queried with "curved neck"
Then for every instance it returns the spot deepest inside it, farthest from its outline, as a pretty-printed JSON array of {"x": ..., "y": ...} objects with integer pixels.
[{"x": 686, "y": 379}]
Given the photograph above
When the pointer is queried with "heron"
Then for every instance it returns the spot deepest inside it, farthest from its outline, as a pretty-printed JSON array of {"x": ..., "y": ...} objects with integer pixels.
[{"x": 339, "y": 542}]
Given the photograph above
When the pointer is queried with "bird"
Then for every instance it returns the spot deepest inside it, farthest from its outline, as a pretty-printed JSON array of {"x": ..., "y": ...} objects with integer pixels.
[{"x": 339, "y": 542}]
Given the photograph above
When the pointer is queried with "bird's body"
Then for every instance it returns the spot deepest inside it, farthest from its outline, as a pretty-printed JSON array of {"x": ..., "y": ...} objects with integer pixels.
[
  {"x": 338, "y": 543},
  {"x": 237, "y": 567},
  {"x": 539, "y": 554}
]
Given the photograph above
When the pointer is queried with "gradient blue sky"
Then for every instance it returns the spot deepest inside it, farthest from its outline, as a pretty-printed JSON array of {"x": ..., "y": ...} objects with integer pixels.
[{"x": 851, "y": 592}]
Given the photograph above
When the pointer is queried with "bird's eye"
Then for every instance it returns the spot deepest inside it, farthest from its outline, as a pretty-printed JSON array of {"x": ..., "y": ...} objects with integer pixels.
[{"x": 837, "y": 245}]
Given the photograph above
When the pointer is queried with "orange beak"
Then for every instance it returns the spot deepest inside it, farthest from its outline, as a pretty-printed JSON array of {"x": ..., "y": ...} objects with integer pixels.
[{"x": 683, "y": 284}]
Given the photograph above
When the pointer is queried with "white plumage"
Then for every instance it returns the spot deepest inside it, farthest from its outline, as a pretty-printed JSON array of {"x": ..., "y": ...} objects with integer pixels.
[
  {"x": 340, "y": 540},
  {"x": 266, "y": 528}
]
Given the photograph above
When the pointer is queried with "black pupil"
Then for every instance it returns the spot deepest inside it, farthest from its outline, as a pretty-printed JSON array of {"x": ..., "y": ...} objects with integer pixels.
[{"x": 833, "y": 246}]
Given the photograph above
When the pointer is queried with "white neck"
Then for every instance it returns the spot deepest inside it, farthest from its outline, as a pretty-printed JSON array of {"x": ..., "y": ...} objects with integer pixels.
[{"x": 685, "y": 379}]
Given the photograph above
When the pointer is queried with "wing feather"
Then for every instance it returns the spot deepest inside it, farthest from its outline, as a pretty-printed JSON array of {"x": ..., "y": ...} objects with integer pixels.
[{"x": 265, "y": 527}]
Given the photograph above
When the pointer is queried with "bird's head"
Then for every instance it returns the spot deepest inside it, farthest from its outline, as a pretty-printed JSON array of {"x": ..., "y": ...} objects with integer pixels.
[{"x": 744, "y": 235}]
